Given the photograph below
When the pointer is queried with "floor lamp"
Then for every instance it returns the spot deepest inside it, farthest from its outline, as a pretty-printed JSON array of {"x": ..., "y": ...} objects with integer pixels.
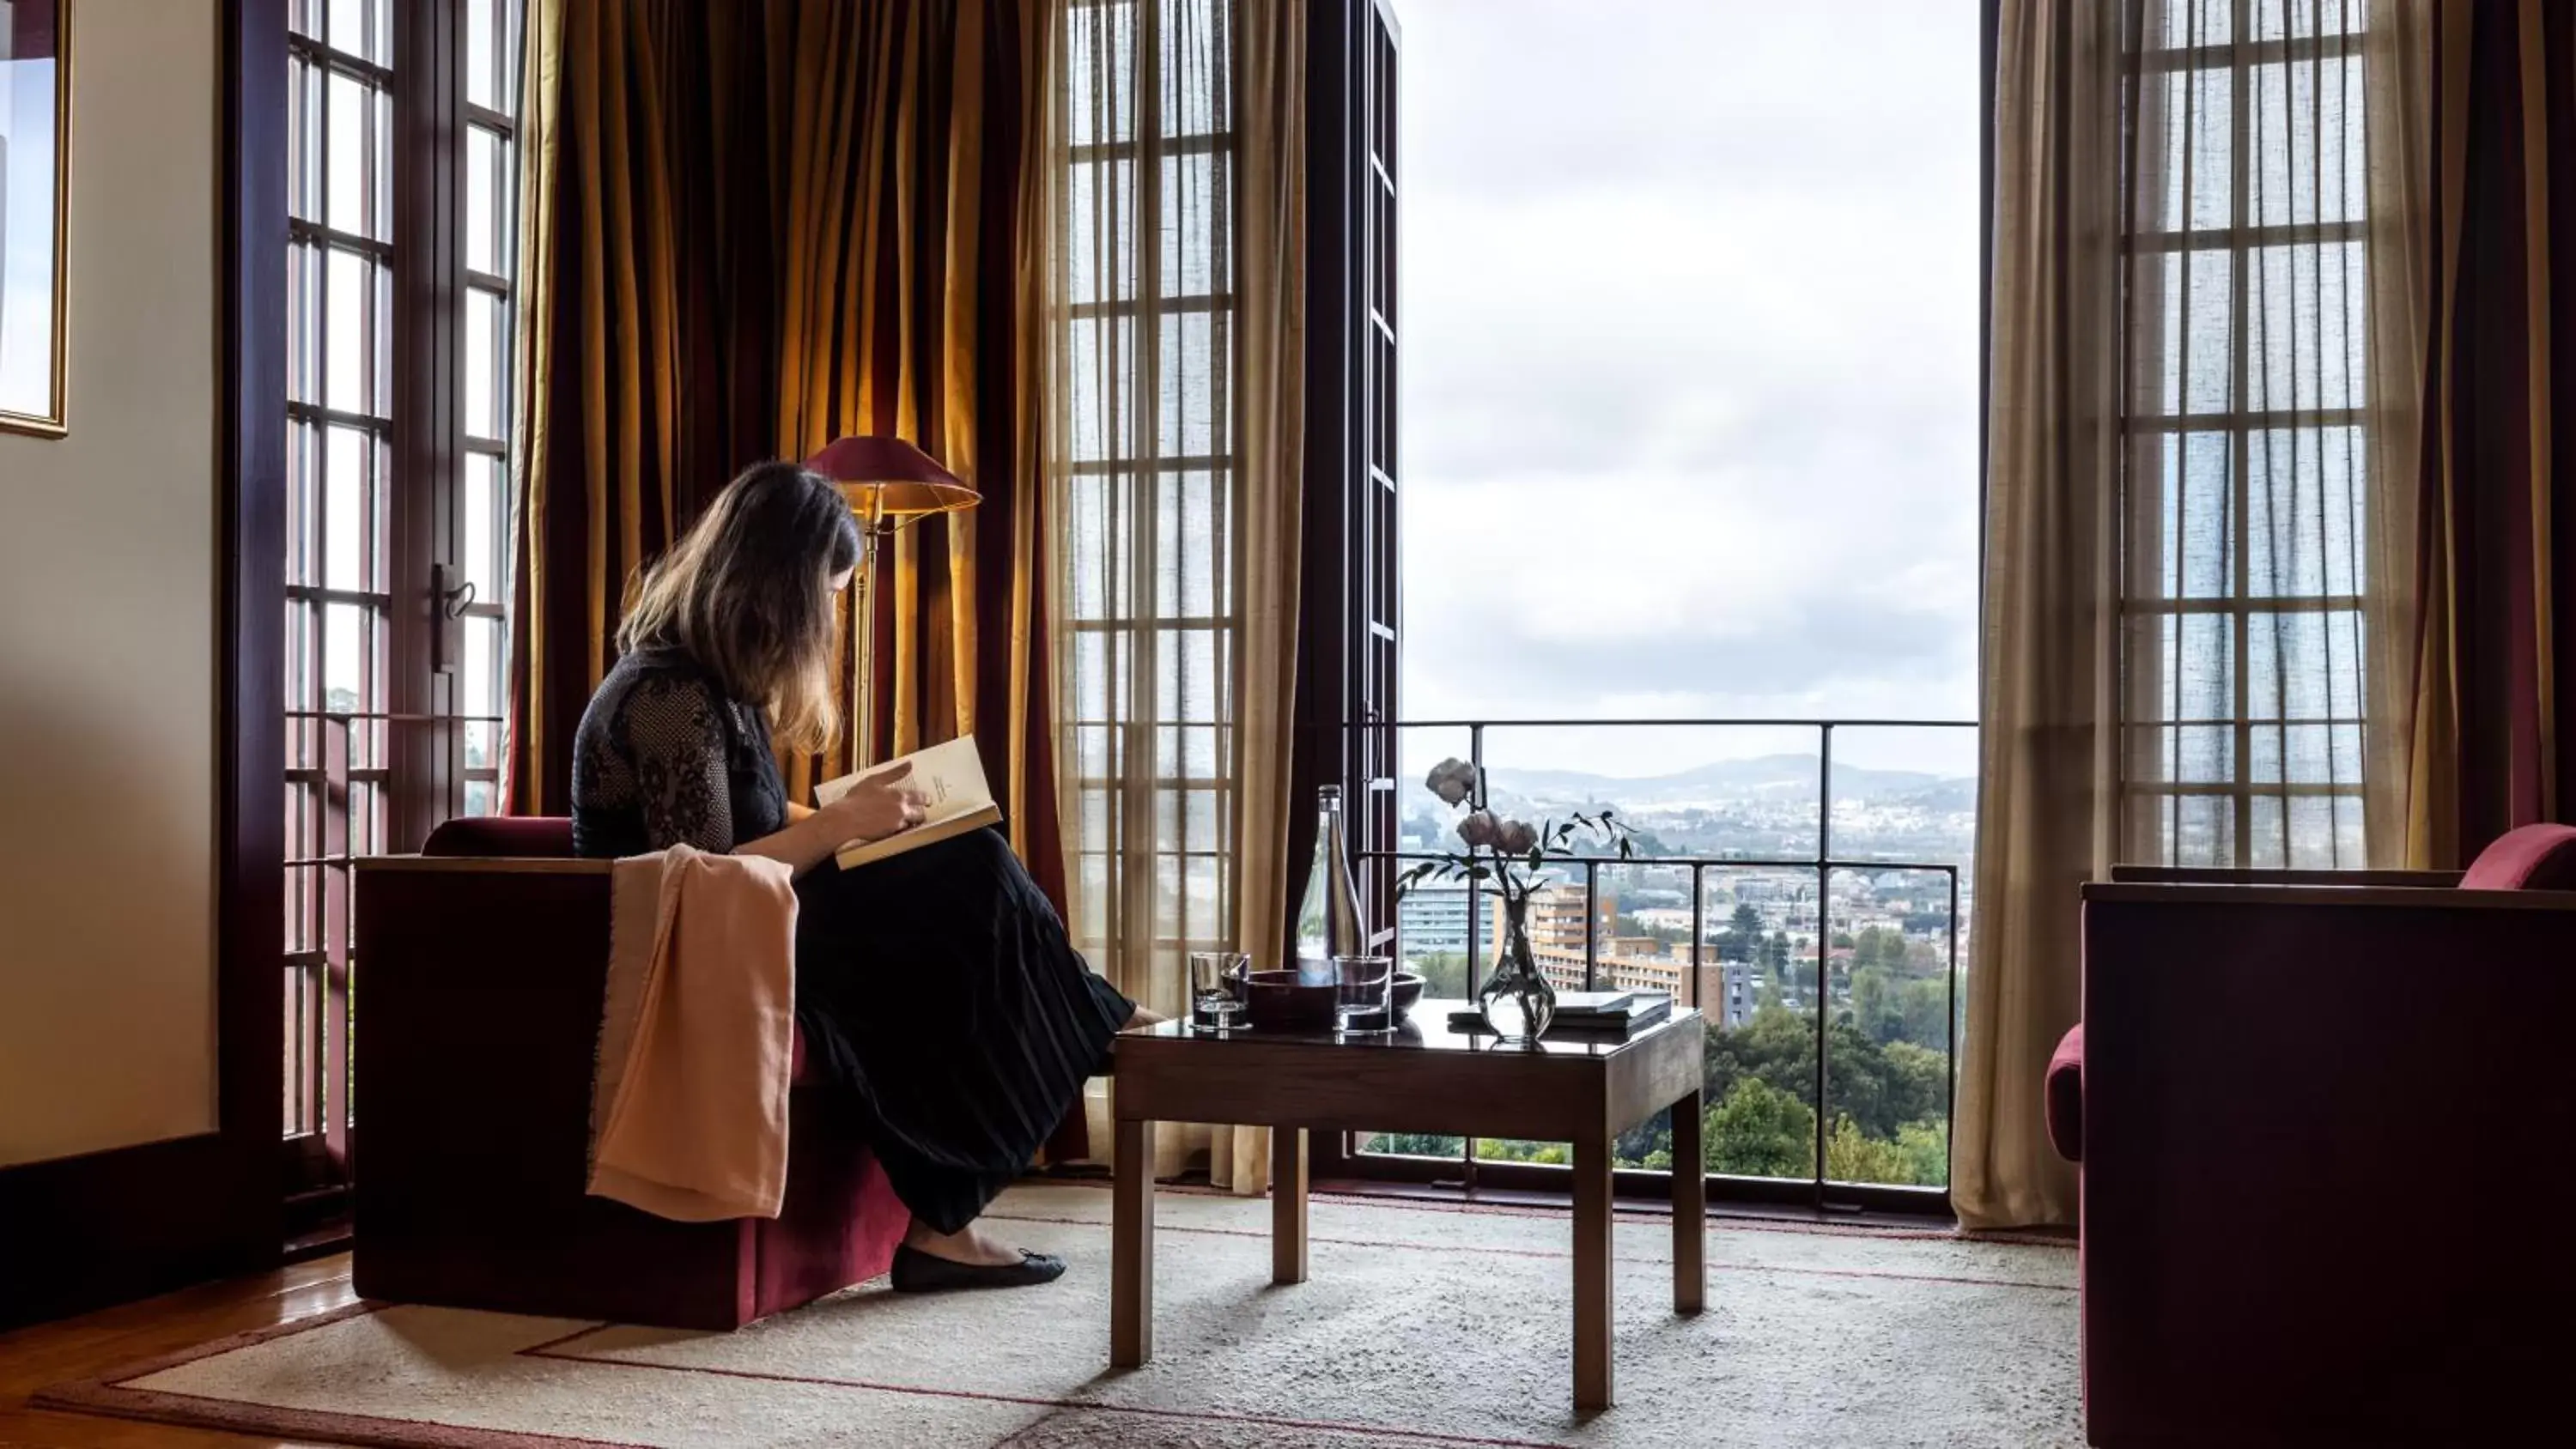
[{"x": 890, "y": 484}]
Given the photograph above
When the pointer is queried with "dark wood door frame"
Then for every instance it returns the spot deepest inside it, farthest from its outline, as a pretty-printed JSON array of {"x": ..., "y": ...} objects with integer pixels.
[{"x": 108, "y": 1226}]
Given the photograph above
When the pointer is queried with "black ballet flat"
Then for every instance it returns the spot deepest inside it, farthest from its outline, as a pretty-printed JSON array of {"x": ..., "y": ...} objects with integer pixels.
[{"x": 919, "y": 1272}]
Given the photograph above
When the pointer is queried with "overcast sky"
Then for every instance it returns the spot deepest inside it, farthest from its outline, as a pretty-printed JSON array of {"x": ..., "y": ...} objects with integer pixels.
[{"x": 1690, "y": 347}]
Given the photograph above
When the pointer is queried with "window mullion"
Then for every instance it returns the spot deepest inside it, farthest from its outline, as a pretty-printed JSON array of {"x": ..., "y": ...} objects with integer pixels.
[{"x": 2240, "y": 442}]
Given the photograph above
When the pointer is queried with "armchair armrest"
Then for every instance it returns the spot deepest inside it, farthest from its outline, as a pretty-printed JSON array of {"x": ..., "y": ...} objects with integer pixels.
[{"x": 2064, "y": 1101}]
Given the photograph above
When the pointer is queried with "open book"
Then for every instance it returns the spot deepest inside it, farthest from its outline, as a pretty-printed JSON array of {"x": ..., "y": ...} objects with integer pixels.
[{"x": 955, "y": 799}]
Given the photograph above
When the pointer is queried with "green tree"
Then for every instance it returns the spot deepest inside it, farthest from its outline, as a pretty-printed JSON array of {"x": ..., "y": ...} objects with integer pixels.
[
  {"x": 1851, "y": 1156},
  {"x": 1760, "y": 1131},
  {"x": 1880, "y": 1086},
  {"x": 1918, "y": 1155},
  {"x": 1890, "y": 1006},
  {"x": 1926, "y": 1146},
  {"x": 1880, "y": 947},
  {"x": 1444, "y": 973},
  {"x": 1742, "y": 936},
  {"x": 1413, "y": 1144},
  {"x": 1501, "y": 1149}
]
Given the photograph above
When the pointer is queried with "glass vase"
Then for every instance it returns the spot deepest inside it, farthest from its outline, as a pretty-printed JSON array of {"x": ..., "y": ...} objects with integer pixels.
[{"x": 1516, "y": 999}]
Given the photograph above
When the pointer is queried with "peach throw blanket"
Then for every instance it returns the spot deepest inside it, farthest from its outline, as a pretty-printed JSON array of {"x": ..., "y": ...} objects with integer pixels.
[{"x": 697, "y": 1036}]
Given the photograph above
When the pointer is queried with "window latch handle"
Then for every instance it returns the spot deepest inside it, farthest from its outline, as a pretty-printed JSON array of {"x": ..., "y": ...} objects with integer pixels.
[{"x": 445, "y": 633}]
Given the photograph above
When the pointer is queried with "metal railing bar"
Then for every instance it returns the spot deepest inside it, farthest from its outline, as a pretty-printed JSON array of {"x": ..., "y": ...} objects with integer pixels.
[
  {"x": 1749, "y": 722},
  {"x": 1715, "y": 862},
  {"x": 1824, "y": 934}
]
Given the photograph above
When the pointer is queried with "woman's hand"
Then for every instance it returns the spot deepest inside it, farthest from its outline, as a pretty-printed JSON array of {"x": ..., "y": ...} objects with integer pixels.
[
  {"x": 881, "y": 805},
  {"x": 884, "y": 804}
]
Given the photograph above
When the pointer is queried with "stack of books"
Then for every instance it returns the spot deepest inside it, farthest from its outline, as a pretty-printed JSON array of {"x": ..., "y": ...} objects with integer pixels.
[{"x": 1590, "y": 1014}]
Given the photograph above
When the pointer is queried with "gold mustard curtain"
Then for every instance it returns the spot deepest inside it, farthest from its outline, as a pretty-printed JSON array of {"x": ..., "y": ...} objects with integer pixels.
[
  {"x": 752, "y": 228},
  {"x": 2049, "y": 709},
  {"x": 1270, "y": 377}
]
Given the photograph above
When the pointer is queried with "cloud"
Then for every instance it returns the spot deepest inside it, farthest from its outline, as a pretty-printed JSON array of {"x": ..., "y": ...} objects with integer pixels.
[{"x": 1690, "y": 358}]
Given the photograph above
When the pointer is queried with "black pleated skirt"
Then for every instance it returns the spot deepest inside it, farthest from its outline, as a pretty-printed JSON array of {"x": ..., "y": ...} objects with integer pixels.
[{"x": 941, "y": 987}]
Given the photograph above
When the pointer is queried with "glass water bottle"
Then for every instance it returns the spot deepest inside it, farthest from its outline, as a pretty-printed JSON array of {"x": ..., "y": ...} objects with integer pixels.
[{"x": 1328, "y": 915}]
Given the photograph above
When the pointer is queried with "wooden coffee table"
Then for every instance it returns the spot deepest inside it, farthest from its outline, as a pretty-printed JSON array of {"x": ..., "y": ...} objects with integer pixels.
[{"x": 1427, "y": 1079}]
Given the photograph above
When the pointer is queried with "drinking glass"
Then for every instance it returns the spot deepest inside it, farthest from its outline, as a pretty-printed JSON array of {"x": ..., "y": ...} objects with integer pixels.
[
  {"x": 1217, "y": 989},
  {"x": 1364, "y": 995}
]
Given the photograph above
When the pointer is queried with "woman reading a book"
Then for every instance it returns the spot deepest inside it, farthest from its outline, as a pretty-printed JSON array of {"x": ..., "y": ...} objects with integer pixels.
[{"x": 937, "y": 983}]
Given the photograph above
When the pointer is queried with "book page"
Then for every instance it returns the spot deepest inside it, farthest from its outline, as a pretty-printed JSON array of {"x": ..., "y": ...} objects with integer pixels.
[{"x": 949, "y": 779}]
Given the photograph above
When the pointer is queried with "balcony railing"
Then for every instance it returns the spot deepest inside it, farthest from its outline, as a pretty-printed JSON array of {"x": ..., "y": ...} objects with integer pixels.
[
  {"x": 338, "y": 813},
  {"x": 1417, "y": 743}
]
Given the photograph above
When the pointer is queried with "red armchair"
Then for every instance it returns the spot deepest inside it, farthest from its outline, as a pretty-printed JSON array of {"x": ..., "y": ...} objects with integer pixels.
[
  {"x": 481, "y": 963},
  {"x": 2319, "y": 1127}
]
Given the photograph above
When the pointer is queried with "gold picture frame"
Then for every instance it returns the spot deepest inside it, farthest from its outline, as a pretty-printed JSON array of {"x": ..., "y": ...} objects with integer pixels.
[{"x": 35, "y": 125}]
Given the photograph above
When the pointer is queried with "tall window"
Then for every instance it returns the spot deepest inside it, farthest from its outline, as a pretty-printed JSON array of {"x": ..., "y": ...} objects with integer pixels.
[
  {"x": 1689, "y": 528},
  {"x": 402, "y": 240},
  {"x": 1145, "y": 367},
  {"x": 2248, "y": 480},
  {"x": 491, "y": 271},
  {"x": 340, "y": 411}
]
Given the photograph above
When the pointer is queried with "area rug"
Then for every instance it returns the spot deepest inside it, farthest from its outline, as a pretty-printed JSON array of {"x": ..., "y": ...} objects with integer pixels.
[{"x": 1421, "y": 1325}]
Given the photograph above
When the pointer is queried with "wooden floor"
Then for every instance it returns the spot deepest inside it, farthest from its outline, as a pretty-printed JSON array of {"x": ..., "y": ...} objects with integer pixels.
[{"x": 50, "y": 1353}]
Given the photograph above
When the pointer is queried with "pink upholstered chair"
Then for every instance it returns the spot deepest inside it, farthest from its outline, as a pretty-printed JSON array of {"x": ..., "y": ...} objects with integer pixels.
[
  {"x": 479, "y": 967},
  {"x": 2322, "y": 1120}
]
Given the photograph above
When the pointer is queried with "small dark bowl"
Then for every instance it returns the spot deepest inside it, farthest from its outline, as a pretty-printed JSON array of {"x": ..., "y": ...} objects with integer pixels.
[
  {"x": 1408, "y": 990},
  {"x": 1277, "y": 1000}
]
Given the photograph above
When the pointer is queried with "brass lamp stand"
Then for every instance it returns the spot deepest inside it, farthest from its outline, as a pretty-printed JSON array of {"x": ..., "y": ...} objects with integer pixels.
[{"x": 890, "y": 484}]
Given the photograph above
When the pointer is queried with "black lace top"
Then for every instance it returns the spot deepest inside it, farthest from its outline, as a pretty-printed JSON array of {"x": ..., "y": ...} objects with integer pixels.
[{"x": 663, "y": 758}]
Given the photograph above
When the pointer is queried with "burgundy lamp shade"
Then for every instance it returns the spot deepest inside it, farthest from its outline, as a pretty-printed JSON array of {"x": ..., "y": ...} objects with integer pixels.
[{"x": 890, "y": 478}]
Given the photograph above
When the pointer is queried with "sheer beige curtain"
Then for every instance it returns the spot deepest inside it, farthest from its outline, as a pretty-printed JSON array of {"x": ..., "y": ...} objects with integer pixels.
[
  {"x": 2197, "y": 574},
  {"x": 2048, "y": 710},
  {"x": 1172, "y": 253},
  {"x": 2261, "y": 569}
]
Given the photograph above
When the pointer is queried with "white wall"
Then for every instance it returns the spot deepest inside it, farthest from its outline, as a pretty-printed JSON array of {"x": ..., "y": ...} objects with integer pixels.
[{"x": 108, "y": 575}]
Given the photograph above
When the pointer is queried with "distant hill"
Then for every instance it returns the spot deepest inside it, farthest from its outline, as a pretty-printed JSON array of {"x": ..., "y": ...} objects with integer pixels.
[{"x": 1764, "y": 779}]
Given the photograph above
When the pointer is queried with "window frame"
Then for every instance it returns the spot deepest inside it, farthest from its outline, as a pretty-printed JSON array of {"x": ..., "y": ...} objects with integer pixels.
[
  {"x": 381, "y": 775},
  {"x": 1143, "y": 467},
  {"x": 2152, "y": 800}
]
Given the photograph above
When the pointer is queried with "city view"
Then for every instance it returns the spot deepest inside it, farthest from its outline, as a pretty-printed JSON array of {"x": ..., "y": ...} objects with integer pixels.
[
  {"x": 1690, "y": 400},
  {"x": 1886, "y": 937}
]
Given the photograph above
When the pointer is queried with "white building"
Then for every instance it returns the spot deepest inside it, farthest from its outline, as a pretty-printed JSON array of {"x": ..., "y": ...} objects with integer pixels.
[{"x": 1431, "y": 920}]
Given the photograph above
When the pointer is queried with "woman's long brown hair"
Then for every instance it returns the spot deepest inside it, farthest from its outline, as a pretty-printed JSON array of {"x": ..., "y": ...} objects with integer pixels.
[{"x": 747, "y": 593}]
